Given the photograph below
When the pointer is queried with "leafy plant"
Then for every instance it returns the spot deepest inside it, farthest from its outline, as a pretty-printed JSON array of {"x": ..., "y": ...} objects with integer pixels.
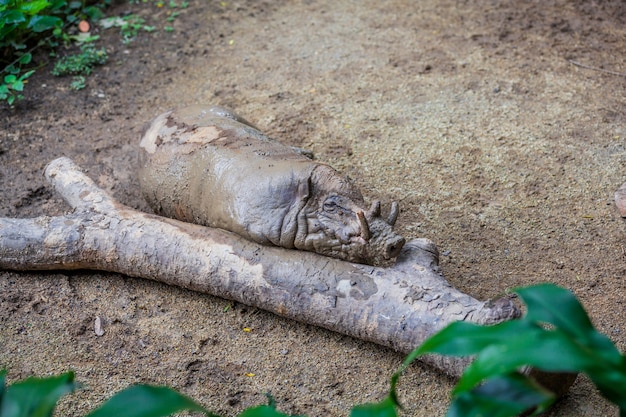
[
  {"x": 78, "y": 83},
  {"x": 13, "y": 85},
  {"x": 81, "y": 63},
  {"x": 37, "y": 397},
  {"x": 129, "y": 26},
  {"x": 555, "y": 335},
  {"x": 26, "y": 25},
  {"x": 20, "y": 19}
]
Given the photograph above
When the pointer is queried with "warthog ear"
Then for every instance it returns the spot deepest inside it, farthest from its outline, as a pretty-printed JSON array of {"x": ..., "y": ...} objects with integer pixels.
[
  {"x": 304, "y": 189},
  {"x": 393, "y": 213}
]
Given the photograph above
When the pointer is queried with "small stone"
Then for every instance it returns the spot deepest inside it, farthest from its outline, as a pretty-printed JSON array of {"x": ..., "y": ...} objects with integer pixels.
[{"x": 98, "y": 327}]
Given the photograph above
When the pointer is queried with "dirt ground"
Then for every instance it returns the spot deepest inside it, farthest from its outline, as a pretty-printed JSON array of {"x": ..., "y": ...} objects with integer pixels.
[{"x": 475, "y": 116}]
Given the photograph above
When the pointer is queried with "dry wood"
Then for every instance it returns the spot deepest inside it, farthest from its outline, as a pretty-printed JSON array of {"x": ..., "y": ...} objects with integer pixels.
[{"x": 399, "y": 306}]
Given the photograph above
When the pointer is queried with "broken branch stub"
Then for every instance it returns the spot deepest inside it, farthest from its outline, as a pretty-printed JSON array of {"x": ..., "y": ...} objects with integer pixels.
[{"x": 398, "y": 306}]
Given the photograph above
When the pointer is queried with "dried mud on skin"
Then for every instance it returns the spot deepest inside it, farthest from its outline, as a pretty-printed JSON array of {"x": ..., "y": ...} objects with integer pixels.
[{"x": 471, "y": 115}]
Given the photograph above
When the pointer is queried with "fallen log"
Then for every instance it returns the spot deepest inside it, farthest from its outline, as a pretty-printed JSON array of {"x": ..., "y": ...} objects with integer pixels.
[{"x": 398, "y": 306}]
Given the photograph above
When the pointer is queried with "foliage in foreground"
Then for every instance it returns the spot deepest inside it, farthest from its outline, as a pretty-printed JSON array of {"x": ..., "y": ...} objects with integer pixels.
[
  {"x": 28, "y": 25},
  {"x": 555, "y": 335}
]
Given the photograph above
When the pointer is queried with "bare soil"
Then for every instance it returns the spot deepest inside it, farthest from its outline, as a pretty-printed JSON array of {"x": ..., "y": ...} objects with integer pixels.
[{"x": 476, "y": 116}]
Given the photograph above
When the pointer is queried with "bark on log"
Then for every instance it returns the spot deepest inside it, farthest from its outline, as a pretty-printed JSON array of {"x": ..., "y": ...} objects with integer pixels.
[{"x": 399, "y": 306}]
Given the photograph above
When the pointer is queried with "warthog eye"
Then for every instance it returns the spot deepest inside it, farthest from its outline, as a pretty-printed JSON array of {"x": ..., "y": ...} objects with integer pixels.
[
  {"x": 336, "y": 205},
  {"x": 330, "y": 206}
]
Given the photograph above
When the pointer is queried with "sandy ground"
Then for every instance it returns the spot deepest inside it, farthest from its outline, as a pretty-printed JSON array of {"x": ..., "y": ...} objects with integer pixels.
[{"x": 474, "y": 115}]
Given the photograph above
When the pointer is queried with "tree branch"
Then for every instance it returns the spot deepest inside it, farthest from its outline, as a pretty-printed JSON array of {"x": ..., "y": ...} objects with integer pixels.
[{"x": 399, "y": 306}]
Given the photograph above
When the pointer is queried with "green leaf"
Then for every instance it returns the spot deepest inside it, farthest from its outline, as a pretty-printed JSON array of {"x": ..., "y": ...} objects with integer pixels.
[
  {"x": 548, "y": 303},
  {"x": 146, "y": 401},
  {"x": 26, "y": 58},
  {"x": 26, "y": 75},
  {"x": 18, "y": 86},
  {"x": 262, "y": 411},
  {"x": 612, "y": 385},
  {"x": 93, "y": 12},
  {"x": 385, "y": 408},
  {"x": 551, "y": 351},
  {"x": 10, "y": 78},
  {"x": 551, "y": 304},
  {"x": 465, "y": 339},
  {"x": 35, "y": 397},
  {"x": 11, "y": 69},
  {"x": 11, "y": 17},
  {"x": 268, "y": 410},
  {"x": 3, "y": 374},
  {"x": 57, "y": 4},
  {"x": 33, "y": 7},
  {"x": 504, "y": 396},
  {"x": 42, "y": 23}
]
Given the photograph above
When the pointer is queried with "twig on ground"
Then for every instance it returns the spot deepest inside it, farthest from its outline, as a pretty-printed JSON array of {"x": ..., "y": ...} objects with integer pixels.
[{"x": 589, "y": 67}]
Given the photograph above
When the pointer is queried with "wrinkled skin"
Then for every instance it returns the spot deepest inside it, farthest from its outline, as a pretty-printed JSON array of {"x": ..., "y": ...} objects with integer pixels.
[{"x": 208, "y": 166}]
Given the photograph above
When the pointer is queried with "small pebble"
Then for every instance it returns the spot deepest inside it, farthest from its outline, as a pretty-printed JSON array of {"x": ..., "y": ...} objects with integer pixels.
[{"x": 98, "y": 327}]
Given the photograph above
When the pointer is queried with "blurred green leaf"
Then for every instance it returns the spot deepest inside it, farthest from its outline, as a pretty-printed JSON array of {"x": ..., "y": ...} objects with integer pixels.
[
  {"x": 57, "y": 4},
  {"x": 605, "y": 365},
  {"x": 503, "y": 396},
  {"x": 262, "y": 411},
  {"x": 41, "y": 23},
  {"x": 25, "y": 59},
  {"x": 35, "y": 397},
  {"x": 93, "y": 12},
  {"x": 385, "y": 408},
  {"x": 551, "y": 351},
  {"x": 557, "y": 306},
  {"x": 146, "y": 401},
  {"x": 32, "y": 7},
  {"x": 26, "y": 75},
  {"x": 10, "y": 17},
  {"x": 474, "y": 337},
  {"x": 3, "y": 373},
  {"x": 612, "y": 384},
  {"x": 556, "y": 335}
]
